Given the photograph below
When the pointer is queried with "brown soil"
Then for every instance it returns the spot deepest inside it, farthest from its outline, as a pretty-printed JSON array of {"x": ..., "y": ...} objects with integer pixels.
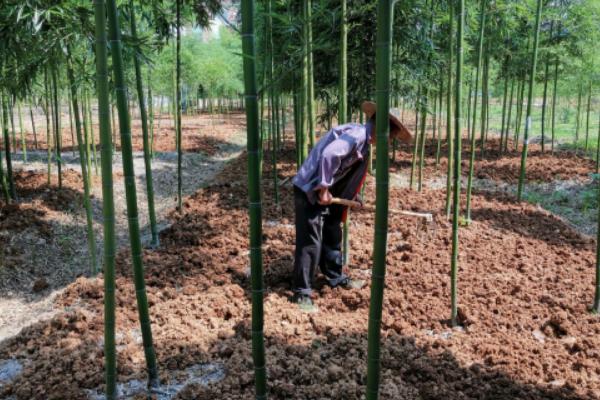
[
  {"x": 32, "y": 229},
  {"x": 201, "y": 133},
  {"x": 525, "y": 281},
  {"x": 541, "y": 167}
]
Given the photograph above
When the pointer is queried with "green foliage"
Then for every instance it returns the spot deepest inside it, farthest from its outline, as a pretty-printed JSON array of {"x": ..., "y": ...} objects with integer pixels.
[{"x": 212, "y": 68}]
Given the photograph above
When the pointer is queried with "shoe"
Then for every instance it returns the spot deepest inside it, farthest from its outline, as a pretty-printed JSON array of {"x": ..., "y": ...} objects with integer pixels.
[
  {"x": 349, "y": 283},
  {"x": 304, "y": 302}
]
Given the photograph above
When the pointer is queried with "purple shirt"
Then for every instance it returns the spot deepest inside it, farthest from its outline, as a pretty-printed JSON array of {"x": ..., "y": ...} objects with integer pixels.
[{"x": 337, "y": 162}]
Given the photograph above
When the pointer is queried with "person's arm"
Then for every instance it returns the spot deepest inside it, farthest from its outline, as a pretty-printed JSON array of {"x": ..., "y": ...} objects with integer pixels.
[{"x": 331, "y": 160}]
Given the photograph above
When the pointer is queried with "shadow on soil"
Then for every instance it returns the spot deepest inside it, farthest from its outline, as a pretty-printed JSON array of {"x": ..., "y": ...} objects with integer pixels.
[{"x": 332, "y": 366}]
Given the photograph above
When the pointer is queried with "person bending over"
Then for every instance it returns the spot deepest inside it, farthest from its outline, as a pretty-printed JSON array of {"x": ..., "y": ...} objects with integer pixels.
[{"x": 336, "y": 167}]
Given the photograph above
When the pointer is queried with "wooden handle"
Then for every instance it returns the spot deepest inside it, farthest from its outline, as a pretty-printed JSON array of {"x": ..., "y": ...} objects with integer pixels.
[
  {"x": 355, "y": 204},
  {"x": 344, "y": 202}
]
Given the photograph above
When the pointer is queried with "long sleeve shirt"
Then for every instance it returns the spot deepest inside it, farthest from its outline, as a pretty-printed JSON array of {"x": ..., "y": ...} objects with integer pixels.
[{"x": 337, "y": 162}]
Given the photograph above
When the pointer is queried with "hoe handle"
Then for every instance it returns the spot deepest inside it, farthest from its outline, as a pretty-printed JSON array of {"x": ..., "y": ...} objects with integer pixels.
[
  {"x": 348, "y": 203},
  {"x": 355, "y": 204}
]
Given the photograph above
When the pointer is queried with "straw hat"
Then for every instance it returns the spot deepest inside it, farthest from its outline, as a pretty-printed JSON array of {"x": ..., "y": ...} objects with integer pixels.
[{"x": 396, "y": 128}]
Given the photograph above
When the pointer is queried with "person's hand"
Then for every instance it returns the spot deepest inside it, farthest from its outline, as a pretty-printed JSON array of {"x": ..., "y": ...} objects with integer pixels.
[
  {"x": 359, "y": 200},
  {"x": 325, "y": 197}
]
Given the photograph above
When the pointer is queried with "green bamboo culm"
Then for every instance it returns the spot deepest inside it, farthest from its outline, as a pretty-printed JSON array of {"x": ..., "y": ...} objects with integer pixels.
[
  {"x": 91, "y": 237},
  {"x": 145, "y": 136},
  {"x": 587, "y": 119},
  {"x": 310, "y": 88},
  {"x": 90, "y": 118},
  {"x": 273, "y": 115},
  {"x": 598, "y": 150},
  {"x": 3, "y": 182},
  {"x": 24, "y": 143},
  {"x": 13, "y": 130},
  {"x": 504, "y": 100},
  {"x": 108, "y": 205},
  {"x": 382, "y": 84},
  {"x": 538, "y": 16},
  {"x": 130, "y": 191},
  {"x": 48, "y": 133},
  {"x": 413, "y": 165},
  {"x": 11, "y": 182},
  {"x": 423, "y": 135},
  {"x": 596, "y": 306},
  {"x": 255, "y": 206},
  {"x": 151, "y": 114},
  {"x": 449, "y": 110},
  {"x": 342, "y": 108},
  {"x": 31, "y": 107},
  {"x": 86, "y": 136},
  {"x": 69, "y": 103},
  {"x": 306, "y": 137},
  {"x": 474, "y": 123},
  {"x": 439, "y": 136},
  {"x": 457, "y": 172},
  {"x": 178, "y": 110},
  {"x": 554, "y": 92},
  {"x": 509, "y": 116},
  {"x": 57, "y": 129}
]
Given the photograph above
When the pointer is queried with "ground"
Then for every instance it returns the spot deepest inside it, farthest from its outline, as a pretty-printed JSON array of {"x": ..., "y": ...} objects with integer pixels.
[{"x": 525, "y": 281}]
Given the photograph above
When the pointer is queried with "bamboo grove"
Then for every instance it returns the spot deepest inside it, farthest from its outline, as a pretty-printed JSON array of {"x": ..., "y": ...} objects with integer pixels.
[{"x": 456, "y": 70}]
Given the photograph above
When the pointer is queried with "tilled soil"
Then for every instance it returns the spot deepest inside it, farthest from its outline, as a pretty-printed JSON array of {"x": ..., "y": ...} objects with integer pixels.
[
  {"x": 204, "y": 133},
  {"x": 525, "y": 282},
  {"x": 40, "y": 246},
  {"x": 502, "y": 167},
  {"x": 43, "y": 240}
]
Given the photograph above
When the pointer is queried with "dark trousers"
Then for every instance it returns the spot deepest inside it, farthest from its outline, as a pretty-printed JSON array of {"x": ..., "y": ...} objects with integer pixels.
[{"x": 318, "y": 243}]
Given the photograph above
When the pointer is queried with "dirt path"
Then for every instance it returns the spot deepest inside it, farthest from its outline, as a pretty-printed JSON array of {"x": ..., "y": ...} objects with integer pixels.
[{"x": 45, "y": 262}]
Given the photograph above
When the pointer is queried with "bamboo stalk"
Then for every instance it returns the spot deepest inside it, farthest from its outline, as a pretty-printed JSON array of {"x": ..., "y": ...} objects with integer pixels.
[
  {"x": 255, "y": 205},
  {"x": 11, "y": 182},
  {"x": 3, "y": 183},
  {"x": 457, "y": 165},
  {"x": 48, "y": 133},
  {"x": 482, "y": 17},
  {"x": 35, "y": 139},
  {"x": 178, "y": 110},
  {"x": 554, "y": 103},
  {"x": 596, "y": 306},
  {"x": 342, "y": 109},
  {"x": 108, "y": 206},
  {"x": 529, "y": 101},
  {"x": 449, "y": 170},
  {"x": 57, "y": 130},
  {"x": 22, "y": 132},
  {"x": 382, "y": 84},
  {"x": 91, "y": 237},
  {"x": 145, "y": 139},
  {"x": 130, "y": 192}
]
